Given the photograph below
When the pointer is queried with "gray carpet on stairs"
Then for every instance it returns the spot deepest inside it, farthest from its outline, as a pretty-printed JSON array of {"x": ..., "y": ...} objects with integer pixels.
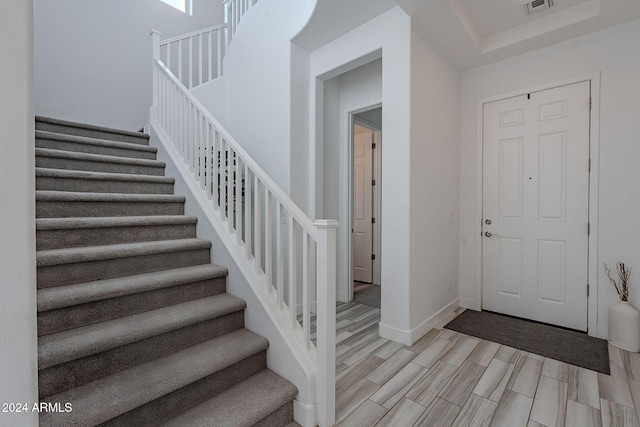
[
  {"x": 575, "y": 348},
  {"x": 135, "y": 326}
]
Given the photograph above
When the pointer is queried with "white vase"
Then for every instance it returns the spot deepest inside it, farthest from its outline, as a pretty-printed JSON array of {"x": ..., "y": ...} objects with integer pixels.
[{"x": 624, "y": 327}]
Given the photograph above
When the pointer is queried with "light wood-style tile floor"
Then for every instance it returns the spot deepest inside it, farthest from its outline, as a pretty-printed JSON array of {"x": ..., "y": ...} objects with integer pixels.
[{"x": 452, "y": 379}]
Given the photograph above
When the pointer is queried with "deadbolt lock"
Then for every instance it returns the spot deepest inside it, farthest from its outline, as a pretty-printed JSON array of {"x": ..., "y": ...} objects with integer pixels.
[
  {"x": 486, "y": 233},
  {"x": 487, "y": 221}
]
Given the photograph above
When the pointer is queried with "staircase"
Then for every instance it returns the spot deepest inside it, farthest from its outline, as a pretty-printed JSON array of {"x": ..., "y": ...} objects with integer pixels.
[{"x": 135, "y": 327}]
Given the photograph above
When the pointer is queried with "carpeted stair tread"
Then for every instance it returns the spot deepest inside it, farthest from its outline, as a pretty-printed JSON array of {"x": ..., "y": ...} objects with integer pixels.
[
  {"x": 116, "y": 221},
  {"x": 244, "y": 404},
  {"x": 98, "y": 158},
  {"x": 106, "y": 176},
  {"x": 87, "y": 180},
  {"x": 40, "y": 120},
  {"x": 81, "y": 342},
  {"x": 82, "y": 293},
  {"x": 58, "y": 233},
  {"x": 81, "y": 196},
  {"x": 126, "y": 250},
  {"x": 106, "y": 398},
  {"x": 96, "y": 143}
]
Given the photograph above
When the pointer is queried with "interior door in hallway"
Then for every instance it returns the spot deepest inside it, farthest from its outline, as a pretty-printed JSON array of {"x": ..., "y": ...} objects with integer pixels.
[
  {"x": 362, "y": 204},
  {"x": 535, "y": 205}
]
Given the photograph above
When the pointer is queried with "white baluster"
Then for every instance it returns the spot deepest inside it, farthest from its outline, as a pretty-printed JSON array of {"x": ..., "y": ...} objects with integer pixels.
[
  {"x": 215, "y": 167},
  {"x": 236, "y": 7},
  {"x": 209, "y": 59},
  {"x": 306, "y": 312},
  {"x": 180, "y": 60},
  {"x": 229, "y": 178},
  {"x": 171, "y": 117},
  {"x": 247, "y": 211},
  {"x": 204, "y": 140},
  {"x": 257, "y": 224},
  {"x": 190, "y": 62},
  {"x": 200, "y": 59},
  {"x": 293, "y": 282},
  {"x": 279, "y": 255},
  {"x": 219, "y": 53},
  {"x": 227, "y": 28},
  {"x": 210, "y": 153},
  {"x": 238, "y": 198},
  {"x": 223, "y": 179},
  {"x": 268, "y": 238},
  {"x": 195, "y": 144}
]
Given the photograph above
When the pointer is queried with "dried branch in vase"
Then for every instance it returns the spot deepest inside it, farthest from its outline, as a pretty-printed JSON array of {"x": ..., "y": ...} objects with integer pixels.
[{"x": 623, "y": 274}]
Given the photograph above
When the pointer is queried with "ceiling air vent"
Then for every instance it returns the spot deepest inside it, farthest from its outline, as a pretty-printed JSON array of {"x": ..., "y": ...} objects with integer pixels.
[{"x": 535, "y": 6}]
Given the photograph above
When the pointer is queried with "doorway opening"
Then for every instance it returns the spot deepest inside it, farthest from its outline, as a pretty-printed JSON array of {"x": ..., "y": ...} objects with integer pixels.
[{"x": 365, "y": 137}]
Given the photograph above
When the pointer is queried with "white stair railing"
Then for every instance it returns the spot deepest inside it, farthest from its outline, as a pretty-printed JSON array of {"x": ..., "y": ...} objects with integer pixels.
[
  {"x": 195, "y": 58},
  {"x": 233, "y": 12},
  {"x": 293, "y": 258}
]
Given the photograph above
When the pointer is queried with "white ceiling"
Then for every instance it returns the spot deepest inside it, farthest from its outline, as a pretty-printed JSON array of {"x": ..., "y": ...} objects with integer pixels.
[
  {"x": 474, "y": 32},
  {"x": 333, "y": 18},
  {"x": 477, "y": 32}
]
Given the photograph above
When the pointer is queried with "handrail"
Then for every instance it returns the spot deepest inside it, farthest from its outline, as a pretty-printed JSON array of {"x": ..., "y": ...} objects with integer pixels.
[
  {"x": 291, "y": 257},
  {"x": 278, "y": 193},
  {"x": 193, "y": 33}
]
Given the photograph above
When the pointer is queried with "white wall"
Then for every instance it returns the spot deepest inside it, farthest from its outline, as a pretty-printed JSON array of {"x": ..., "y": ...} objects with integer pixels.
[
  {"x": 434, "y": 185},
  {"x": 18, "y": 337},
  {"x": 93, "y": 58},
  {"x": 212, "y": 95},
  {"x": 390, "y": 34},
  {"x": 343, "y": 94},
  {"x": 418, "y": 130},
  {"x": 258, "y": 74},
  {"x": 613, "y": 52}
]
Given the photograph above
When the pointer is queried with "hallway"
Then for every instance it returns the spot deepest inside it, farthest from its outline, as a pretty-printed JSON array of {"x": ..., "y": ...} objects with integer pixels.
[{"x": 451, "y": 379}]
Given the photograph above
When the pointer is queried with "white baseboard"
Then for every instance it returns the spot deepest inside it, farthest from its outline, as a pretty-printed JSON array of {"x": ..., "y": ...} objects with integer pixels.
[
  {"x": 394, "y": 334},
  {"x": 469, "y": 303},
  {"x": 408, "y": 337},
  {"x": 304, "y": 413}
]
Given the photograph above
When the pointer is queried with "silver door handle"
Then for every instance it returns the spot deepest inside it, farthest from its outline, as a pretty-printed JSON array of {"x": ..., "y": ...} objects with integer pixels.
[{"x": 486, "y": 233}]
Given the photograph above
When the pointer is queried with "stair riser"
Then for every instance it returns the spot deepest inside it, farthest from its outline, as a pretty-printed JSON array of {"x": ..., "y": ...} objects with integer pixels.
[
  {"x": 83, "y": 165},
  {"x": 71, "y": 238},
  {"x": 67, "y": 274},
  {"x": 79, "y": 147},
  {"x": 53, "y": 321},
  {"x": 102, "y": 186},
  {"x": 71, "y": 374},
  {"x": 279, "y": 417},
  {"x": 72, "y": 209},
  {"x": 171, "y": 405},
  {"x": 70, "y": 130}
]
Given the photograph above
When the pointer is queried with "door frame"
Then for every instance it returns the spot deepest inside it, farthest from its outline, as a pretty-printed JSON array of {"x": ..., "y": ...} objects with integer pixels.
[
  {"x": 594, "y": 151},
  {"x": 347, "y": 191}
]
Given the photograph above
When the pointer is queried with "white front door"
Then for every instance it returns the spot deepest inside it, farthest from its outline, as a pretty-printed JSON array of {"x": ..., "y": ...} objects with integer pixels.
[
  {"x": 535, "y": 205},
  {"x": 362, "y": 204}
]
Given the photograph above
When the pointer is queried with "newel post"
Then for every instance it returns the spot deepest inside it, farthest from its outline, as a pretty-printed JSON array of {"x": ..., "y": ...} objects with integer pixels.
[
  {"x": 326, "y": 324},
  {"x": 155, "y": 40}
]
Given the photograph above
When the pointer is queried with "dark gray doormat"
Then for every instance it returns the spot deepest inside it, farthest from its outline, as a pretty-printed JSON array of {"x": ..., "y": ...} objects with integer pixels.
[{"x": 567, "y": 346}]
